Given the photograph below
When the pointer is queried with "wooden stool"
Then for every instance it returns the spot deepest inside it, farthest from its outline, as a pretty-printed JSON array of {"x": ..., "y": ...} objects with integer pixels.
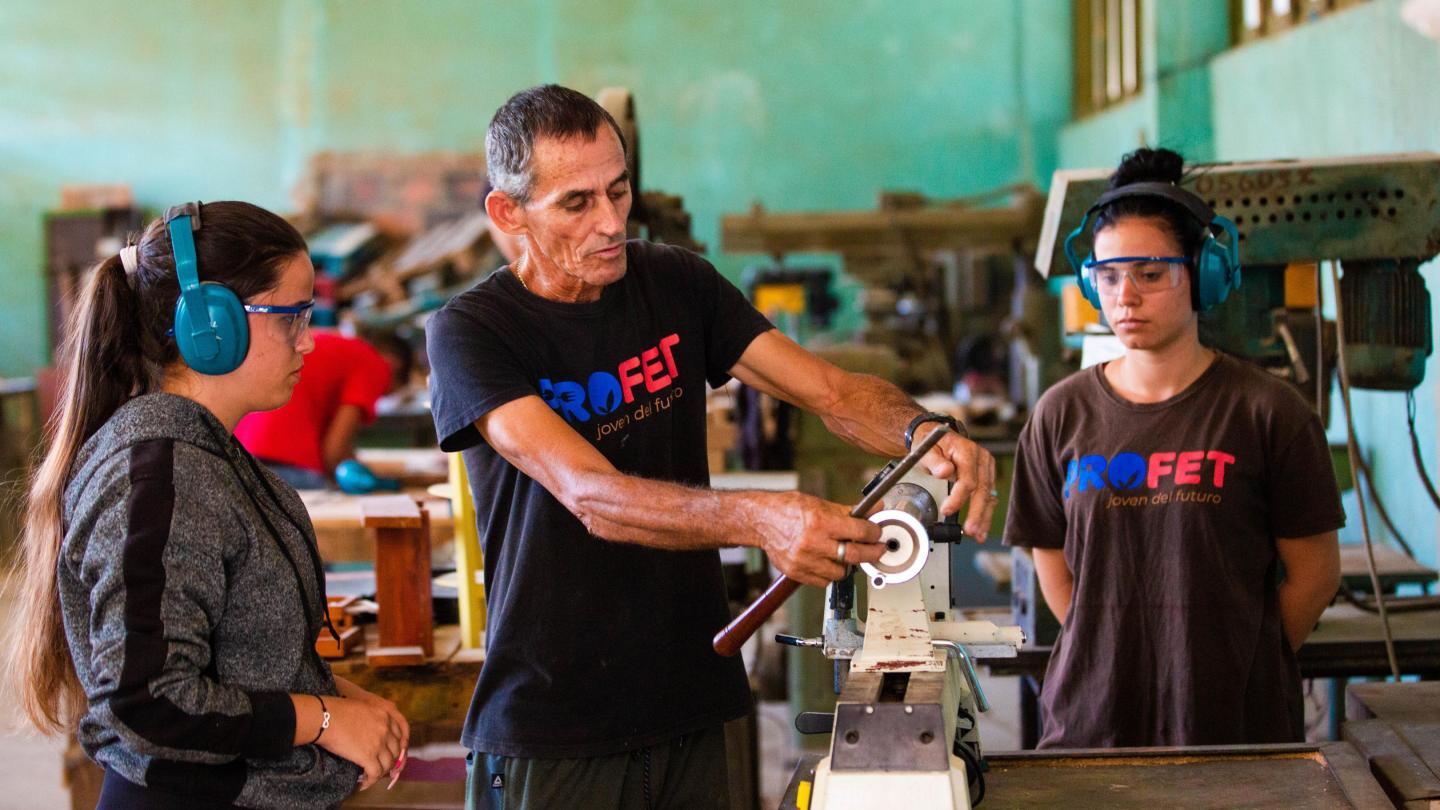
[{"x": 402, "y": 579}]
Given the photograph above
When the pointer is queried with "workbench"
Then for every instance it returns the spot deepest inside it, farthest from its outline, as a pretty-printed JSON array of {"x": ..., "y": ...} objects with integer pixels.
[
  {"x": 413, "y": 467},
  {"x": 1396, "y": 727},
  {"x": 341, "y": 539},
  {"x": 1347, "y": 643},
  {"x": 1333, "y": 776}
]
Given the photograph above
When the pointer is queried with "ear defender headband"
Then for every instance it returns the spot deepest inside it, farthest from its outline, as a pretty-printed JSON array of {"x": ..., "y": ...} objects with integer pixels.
[
  {"x": 211, "y": 330},
  {"x": 1217, "y": 266}
]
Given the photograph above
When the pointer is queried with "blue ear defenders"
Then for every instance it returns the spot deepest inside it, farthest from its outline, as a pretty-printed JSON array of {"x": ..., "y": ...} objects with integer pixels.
[
  {"x": 211, "y": 330},
  {"x": 1217, "y": 266}
]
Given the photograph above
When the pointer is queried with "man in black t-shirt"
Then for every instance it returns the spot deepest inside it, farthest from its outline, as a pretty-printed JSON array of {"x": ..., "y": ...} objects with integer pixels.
[{"x": 574, "y": 381}]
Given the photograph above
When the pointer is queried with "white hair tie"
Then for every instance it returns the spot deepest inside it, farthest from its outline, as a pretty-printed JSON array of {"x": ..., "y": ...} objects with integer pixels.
[{"x": 130, "y": 257}]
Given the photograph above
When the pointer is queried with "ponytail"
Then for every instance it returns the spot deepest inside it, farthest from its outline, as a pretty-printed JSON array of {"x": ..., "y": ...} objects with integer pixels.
[{"x": 103, "y": 365}]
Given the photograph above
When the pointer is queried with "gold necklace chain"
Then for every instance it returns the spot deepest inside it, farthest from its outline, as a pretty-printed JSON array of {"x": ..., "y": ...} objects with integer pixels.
[{"x": 515, "y": 268}]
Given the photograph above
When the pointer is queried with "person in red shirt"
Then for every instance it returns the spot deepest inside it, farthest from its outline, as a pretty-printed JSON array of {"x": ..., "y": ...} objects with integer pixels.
[{"x": 306, "y": 438}]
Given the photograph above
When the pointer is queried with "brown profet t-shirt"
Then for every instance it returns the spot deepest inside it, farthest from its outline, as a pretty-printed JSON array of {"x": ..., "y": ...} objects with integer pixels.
[{"x": 1168, "y": 514}]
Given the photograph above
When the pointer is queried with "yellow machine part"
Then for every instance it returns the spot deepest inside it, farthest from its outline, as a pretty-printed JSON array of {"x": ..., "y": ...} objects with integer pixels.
[
  {"x": 780, "y": 298},
  {"x": 469, "y": 565},
  {"x": 1301, "y": 291},
  {"x": 1076, "y": 313}
]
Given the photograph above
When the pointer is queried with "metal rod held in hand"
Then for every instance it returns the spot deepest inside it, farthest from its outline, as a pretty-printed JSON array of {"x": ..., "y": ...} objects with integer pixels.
[{"x": 727, "y": 642}]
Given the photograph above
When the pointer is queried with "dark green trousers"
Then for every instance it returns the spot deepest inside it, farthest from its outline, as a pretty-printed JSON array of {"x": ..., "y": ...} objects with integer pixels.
[{"x": 686, "y": 772}]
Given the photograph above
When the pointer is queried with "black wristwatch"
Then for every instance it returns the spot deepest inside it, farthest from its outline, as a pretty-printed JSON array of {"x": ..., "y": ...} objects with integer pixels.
[{"x": 943, "y": 418}]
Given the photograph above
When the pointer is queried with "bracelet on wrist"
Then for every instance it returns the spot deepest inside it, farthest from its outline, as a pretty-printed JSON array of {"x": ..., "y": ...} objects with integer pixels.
[
  {"x": 943, "y": 418},
  {"x": 324, "y": 721}
]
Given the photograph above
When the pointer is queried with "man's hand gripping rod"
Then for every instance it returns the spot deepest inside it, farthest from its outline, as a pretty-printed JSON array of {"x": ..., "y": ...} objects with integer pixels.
[{"x": 727, "y": 642}]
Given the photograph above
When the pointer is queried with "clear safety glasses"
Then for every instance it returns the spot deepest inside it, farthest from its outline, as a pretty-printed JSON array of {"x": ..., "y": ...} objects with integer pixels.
[
  {"x": 290, "y": 322},
  {"x": 1147, "y": 274}
]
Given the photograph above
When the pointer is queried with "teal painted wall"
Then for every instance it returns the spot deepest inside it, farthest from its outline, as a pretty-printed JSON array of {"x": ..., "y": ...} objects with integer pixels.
[
  {"x": 1359, "y": 82},
  {"x": 1173, "y": 107},
  {"x": 796, "y": 105},
  {"x": 102, "y": 93}
]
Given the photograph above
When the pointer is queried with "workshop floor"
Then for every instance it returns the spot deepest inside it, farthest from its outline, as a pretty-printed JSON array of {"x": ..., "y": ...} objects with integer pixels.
[{"x": 29, "y": 763}]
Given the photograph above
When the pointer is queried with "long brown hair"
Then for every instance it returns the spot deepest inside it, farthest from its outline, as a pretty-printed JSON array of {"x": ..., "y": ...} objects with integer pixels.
[{"x": 115, "y": 348}]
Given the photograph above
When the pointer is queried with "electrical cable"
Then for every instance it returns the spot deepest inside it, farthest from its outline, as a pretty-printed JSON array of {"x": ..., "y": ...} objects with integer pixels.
[
  {"x": 1382, "y": 511},
  {"x": 1354, "y": 453},
  {"x": 975, "y": 770},
  {"x": 1321, "y": 390},
  {"x": 1415, "y": 448}
]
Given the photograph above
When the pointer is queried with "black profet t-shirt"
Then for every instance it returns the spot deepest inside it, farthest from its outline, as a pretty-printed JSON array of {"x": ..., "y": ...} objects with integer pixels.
[
  {"x": 593, "y": 647},
  {"x": 1168, "y": 514}
]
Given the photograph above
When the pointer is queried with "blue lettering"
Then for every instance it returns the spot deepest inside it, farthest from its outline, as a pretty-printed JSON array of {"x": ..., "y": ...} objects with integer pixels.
[
  {"x": 567, "y": 398},
  {"x": 605, "y": 394},
  {"x": 1091, "y": 468},
  {"x": 1127, "y": 471}
]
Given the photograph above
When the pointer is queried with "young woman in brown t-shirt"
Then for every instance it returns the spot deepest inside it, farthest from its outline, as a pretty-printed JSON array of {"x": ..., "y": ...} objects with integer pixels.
[{"x": 1160, "y": 492}]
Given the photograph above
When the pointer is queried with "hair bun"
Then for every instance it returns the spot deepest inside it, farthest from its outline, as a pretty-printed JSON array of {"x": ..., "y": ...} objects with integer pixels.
[{"x": 1149, "y": 165}]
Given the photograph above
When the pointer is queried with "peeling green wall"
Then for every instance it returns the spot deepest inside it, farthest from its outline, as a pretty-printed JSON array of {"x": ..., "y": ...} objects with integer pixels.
[{"x": 798, "y": 105}]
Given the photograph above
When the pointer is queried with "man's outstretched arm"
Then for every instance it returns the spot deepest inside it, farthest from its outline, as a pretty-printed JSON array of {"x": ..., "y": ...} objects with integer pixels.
[
  {"x": 871, "y": 414},
  {"x": 801, "y": 534}
]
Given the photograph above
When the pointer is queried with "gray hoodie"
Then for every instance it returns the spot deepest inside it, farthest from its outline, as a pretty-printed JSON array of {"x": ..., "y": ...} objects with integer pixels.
[{"x": 192, "y": 593}]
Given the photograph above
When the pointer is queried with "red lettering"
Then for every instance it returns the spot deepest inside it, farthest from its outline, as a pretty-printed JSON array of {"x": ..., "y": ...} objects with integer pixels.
[
  {"x": 665, "y": 344},
  {"x": 630, "y": 377},
  {"x": 1159, "y": 466},
  {"x": 1220, "y": 459},
  {"x": 1187, "y": 467},
  {"x": 655, "y": 376}
]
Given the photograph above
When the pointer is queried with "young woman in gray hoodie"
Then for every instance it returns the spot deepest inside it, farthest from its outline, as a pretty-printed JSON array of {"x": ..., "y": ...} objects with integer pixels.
[{"x": 171, "y": 590}]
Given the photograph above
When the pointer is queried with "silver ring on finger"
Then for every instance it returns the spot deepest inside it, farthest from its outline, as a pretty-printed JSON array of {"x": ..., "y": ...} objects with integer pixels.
[
  {"x": 994, "y": 494},
  {"x": 840, "y": 553}
]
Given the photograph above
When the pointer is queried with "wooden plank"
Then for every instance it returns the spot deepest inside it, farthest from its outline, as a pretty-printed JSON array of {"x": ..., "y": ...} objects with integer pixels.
[
  {"x": 1424, "y": 739},
  {"x": 1279, "y": 776},
  {"x": 1354, "y": 776},
  {"x": 336, "y": 518},
  {"x": 389, "y": 512},
  {"x": 412, "y": 466},
  {"x": 398, "y": 656},
  {"x": 1417, "y": 702},
  {"x": 1392, "y": 565},
  {"x": 1395, "y": 765},
  {"x": 903, "y": 231}
]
